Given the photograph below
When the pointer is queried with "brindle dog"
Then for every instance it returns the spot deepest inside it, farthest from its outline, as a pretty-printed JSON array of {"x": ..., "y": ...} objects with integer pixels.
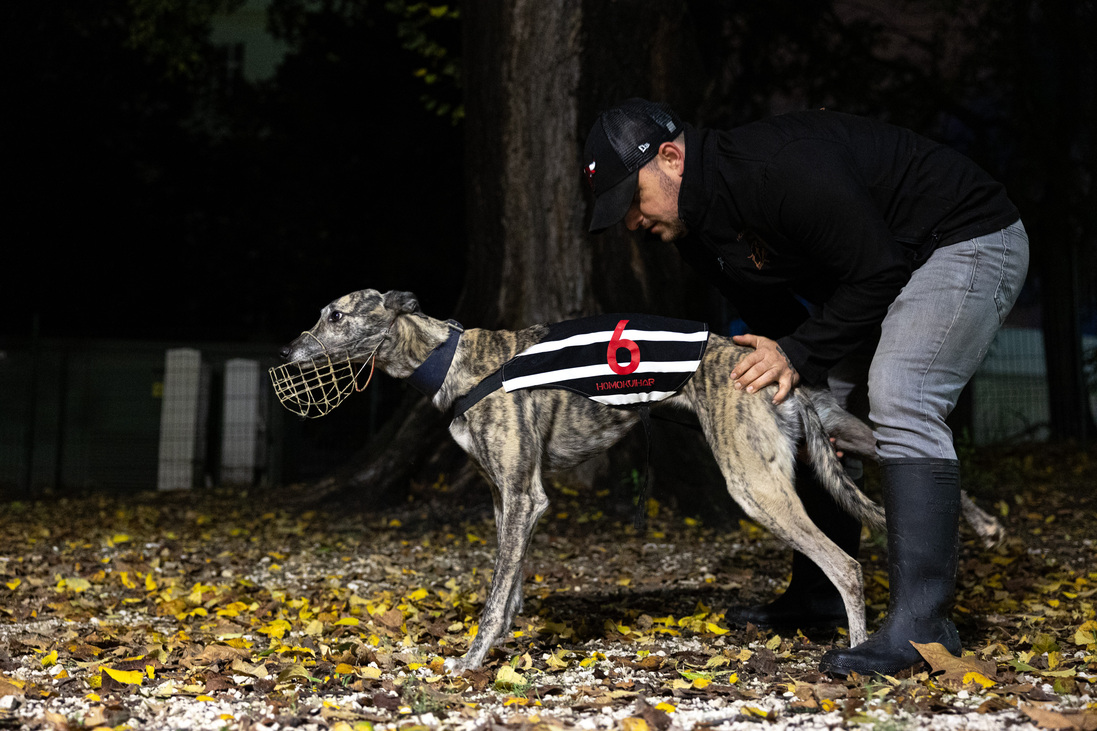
[{"x": 515, "y": 437}]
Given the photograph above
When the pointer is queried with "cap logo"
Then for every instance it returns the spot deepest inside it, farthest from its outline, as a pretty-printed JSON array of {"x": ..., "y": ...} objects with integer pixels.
[
  {"x": 644, "y": 147},
  {"x": 589, "y": 170}
]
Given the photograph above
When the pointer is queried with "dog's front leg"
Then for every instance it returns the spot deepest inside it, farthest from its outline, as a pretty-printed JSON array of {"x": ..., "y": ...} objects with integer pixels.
[{"x": 521, "y": 507}]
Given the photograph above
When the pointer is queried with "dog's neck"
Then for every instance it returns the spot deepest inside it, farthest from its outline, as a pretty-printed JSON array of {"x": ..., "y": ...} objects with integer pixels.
[{"x": 413, "y": 338}]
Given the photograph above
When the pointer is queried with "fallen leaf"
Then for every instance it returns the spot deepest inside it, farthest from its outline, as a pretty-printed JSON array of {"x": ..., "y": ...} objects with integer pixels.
[
  {"x": 968, "y": 672},
  {"x": 129, "y": 677},
  {"x": 1085, "y": 720}
]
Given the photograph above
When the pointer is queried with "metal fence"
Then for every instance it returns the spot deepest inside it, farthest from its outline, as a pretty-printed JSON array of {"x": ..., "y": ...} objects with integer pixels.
[{"x": 81, "y": 416}]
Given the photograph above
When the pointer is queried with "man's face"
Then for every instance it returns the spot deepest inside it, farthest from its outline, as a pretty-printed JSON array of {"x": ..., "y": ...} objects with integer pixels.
[{"x": 655, "y": 205}]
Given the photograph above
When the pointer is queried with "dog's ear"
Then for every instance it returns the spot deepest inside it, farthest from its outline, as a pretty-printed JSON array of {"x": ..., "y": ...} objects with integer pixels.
[{"x": 401, "y": 302}]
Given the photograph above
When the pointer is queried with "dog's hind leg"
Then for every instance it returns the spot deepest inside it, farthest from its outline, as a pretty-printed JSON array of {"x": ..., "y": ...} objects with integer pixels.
[
  {"x": 772, "y": 502},
  {"x": 757, "y": 462}
]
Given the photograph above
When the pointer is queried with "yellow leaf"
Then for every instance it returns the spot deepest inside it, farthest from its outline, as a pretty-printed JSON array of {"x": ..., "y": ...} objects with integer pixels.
[
  {"x": 344, "y": 669},
  {"x": 418, "y": 595},
  {"x": 119, "y": 538},
  {"x": 666, "y": 707},
  {"x": 150, "y": 584},
  {"x": 276, "y": 629},
  {"x": 351, "y": 621},
  {"x": 977, "y": 677},
  {"x": 1085, "y": 636},
  {"x": 508, "y": 677},
  {"x": 752, "y": 712},
  {"x": 716, "y": 629},
  {"x": 93, "y": 697},
  {"x": 129, "y": 677},
  {"x": 558, "y": 660},
  {"x": 50, "y": 659},
  {"x": 76, "y": 584},
  {"x": 205, "y": 698},
  {"x": 774, "y": 642},
  {"x": 701, "y": 683},
  {"x": 14, "y": 583},
  {"x": 370, "y": 673},
  {"x": 634, "y": 724}
]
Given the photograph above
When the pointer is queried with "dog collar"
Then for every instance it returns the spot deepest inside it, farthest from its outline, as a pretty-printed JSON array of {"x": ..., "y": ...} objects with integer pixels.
[{"x": 428, "y": 377}]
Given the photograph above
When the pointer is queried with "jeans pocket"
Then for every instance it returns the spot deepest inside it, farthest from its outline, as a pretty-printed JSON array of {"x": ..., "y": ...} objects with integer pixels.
[{"x": 1013, "y": 271}]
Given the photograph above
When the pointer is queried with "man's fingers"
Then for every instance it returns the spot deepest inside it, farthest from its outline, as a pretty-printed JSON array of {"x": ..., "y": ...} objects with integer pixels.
[
  {"x": 745, "y": 364},
  {"x": 758, "y": 377}
]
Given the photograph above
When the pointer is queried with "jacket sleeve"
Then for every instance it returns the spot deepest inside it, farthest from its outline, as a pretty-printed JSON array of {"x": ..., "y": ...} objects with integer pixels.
[{"x": 816, "y": 198}]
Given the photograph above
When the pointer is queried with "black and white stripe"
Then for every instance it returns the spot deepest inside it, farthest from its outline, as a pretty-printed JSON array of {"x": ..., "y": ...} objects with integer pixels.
[{"x": 575, "y": 356}]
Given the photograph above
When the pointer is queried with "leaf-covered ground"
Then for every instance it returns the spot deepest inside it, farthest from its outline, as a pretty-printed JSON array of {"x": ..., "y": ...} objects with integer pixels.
[{"x": 220, "y": 609}]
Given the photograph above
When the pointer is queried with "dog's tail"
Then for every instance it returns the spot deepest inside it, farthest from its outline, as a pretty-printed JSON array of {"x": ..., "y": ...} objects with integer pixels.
[
  {"x": 853, "y": 435},
  {"x": 850, "y": 434},
  {"x": 831, "y": 473}
]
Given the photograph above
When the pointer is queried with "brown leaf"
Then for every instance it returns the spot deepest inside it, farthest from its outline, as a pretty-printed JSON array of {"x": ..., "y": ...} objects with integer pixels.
[
  {"x": 112, "y": 715},
  {"x": 218, "y": 682},
  {"x": 213, "y": 653},
  {"x": 7, "y": 687},
  {"x": 1080, "y": 720},
  {"x": 655, "y": 718},
  {"x": 958, "y": 672},
  {"x": 393, "y": 618}
]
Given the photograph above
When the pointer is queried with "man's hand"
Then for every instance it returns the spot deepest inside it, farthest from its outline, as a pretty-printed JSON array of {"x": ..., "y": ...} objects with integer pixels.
[{"x": 767, "y": 364}]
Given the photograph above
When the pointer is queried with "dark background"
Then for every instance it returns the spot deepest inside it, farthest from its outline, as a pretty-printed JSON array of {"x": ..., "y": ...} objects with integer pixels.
[{"x": 153, "y": 193}]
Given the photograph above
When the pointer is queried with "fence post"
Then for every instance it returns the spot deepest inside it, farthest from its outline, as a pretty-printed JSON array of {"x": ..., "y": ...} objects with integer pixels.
[
  {"x": 183, "y": 419},
  {"x": 244, "y": 423}
]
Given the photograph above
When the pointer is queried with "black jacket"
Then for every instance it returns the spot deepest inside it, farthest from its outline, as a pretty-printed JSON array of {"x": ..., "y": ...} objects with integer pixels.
[{"x": 835, "y": 209}]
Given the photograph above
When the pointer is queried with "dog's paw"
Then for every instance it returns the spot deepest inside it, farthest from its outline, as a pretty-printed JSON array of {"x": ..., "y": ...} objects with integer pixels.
[{"x": 457, "y": 665}]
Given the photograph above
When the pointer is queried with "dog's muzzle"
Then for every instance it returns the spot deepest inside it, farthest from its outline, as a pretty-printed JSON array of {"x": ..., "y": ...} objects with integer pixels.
[{"x": 312, "y": 387}]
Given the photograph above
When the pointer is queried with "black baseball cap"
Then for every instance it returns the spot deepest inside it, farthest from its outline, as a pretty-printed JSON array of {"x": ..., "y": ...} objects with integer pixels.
[{"x": 622, "y": 141}]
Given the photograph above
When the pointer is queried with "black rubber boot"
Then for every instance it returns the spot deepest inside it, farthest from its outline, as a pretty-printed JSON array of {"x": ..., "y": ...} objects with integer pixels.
[
  {"x": 922, "y": 501},
  {"x": 810, "y": 601}
]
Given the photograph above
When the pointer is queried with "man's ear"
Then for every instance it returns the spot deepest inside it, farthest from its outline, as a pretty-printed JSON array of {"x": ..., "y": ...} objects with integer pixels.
[{"x": 672, "y": 158}]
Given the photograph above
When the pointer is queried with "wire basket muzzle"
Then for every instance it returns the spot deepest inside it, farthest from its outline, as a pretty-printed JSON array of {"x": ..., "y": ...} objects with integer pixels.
[{"x": 313, "y": 387}]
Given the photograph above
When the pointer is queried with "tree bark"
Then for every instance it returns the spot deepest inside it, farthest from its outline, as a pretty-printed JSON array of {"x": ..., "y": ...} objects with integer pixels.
[{"x": 537, "y": 72}]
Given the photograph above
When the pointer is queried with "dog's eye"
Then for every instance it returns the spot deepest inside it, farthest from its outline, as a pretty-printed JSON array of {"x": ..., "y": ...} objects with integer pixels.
[{"x": 335, "y": 317}]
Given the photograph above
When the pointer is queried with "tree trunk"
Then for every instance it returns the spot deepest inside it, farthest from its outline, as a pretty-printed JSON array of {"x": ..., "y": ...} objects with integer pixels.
[{"x": 534, "y": 82}]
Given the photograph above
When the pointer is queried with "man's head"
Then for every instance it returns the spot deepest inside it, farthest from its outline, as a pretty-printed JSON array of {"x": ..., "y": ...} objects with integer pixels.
[{"x": 635, "y": 156}]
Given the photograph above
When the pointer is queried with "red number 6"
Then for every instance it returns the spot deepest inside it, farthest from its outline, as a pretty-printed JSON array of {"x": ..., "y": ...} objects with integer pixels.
[{"x": 617, "y": 342}]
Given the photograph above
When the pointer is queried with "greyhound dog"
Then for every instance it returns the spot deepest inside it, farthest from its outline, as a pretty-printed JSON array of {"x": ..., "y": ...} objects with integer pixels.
[{"x": 516, "y": 436}]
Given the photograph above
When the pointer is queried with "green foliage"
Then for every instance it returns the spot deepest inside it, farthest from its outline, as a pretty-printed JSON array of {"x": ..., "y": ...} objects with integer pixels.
[
  {"x": 175, "y": 33},
  {"x": 431, "y": 32}
]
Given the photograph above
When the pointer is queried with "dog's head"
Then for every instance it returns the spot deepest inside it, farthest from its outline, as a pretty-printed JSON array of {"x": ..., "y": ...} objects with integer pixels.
[{"x": 356, "y": 323}]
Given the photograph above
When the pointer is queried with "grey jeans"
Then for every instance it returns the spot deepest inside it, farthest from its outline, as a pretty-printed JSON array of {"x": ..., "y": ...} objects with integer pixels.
[{"x": 935, "y": 335}]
